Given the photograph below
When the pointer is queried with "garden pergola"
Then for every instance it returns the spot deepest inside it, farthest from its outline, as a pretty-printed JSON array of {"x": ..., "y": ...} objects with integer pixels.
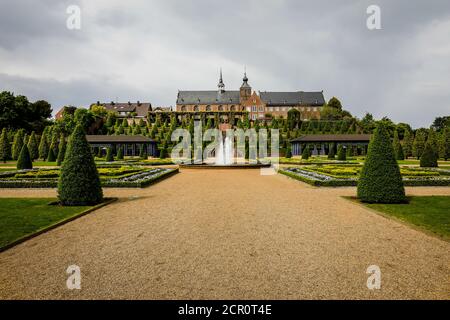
[
  {"x": 131, "y": 144},
  {"x": 320, "y": 143}
]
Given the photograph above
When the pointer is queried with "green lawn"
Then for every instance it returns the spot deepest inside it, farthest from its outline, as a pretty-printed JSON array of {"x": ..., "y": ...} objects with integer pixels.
[
  {"x": 431, "y": 213},
  {"x": 20, "y": 217}
]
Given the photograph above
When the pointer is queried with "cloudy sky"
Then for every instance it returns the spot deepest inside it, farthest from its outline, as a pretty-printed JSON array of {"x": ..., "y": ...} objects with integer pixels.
[{"x": 148, "y": 50}]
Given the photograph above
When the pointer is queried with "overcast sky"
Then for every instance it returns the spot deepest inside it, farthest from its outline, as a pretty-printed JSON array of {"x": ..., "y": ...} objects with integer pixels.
[{"x": 148, "y": 50}]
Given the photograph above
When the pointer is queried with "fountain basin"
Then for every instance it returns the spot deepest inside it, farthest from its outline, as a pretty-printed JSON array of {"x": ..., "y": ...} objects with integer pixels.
[{"x": 225, "y": 166}]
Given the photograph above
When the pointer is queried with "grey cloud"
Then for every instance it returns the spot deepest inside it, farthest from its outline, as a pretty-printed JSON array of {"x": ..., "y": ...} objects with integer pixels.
[{"x": 148, "y": 50}]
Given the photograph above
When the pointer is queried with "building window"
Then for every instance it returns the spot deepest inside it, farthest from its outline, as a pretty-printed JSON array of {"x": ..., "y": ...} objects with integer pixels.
[
  {"x": 220, "y": 108},
  {"x": 254, "y": 109},
  {"x": 253, "y": 116},
  {"x": 261, "y": 108},
  {"x": 183, "y": 108},
  {"x": 232, "y": 108},
  {"x": 195, "y": 108},
  {"x": 208, "y": 108}
]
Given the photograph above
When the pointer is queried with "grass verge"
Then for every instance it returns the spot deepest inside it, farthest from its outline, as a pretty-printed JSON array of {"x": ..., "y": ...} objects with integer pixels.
[
  {"x": 24, "y": 218},
  {"x": 427, "y": 213}
]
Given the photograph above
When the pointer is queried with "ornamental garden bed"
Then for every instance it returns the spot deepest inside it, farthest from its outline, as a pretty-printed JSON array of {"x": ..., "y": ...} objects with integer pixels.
[
  {"x": 338, "y": 175},
  {"x": 125, "y": 176}
]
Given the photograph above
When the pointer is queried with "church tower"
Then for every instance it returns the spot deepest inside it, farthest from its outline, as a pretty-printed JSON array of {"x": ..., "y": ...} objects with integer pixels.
[
  {"x": 245, "y": 91},
  {"x": 221, "y": 85}
]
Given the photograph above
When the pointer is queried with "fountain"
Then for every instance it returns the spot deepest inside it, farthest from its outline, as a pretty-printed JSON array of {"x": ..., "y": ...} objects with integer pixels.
[{"x": 225, "y": 152}]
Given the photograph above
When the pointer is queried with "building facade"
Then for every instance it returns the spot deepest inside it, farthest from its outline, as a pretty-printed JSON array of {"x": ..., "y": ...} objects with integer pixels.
[
  {"x": 129, "y": 109},
  {"x": 259, "y": 106}
]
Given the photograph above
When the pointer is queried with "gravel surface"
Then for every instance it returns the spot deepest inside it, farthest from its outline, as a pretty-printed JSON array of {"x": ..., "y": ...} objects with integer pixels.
[{"x": 228, "y": 234}]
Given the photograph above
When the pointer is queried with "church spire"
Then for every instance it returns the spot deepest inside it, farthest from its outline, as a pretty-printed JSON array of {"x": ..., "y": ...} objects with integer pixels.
[{"x": 221, "y": 85}]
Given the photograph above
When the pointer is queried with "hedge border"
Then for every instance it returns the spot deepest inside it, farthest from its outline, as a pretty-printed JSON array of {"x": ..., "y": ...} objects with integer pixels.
[
  {"x": 57, "y": 224},
  {"x": 125, "y": 184},
  {"x": 353, "y": 183}
]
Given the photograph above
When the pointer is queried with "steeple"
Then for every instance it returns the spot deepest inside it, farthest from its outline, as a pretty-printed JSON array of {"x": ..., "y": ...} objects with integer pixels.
[
  {"x": 221, "y": 85},
  {"x": 245, "y": 91}
]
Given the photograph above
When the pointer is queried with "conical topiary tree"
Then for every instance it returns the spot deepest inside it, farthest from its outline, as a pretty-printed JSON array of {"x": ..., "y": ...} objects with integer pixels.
[
  {"x": 51, "y": 156},
  {"x": 341, "y": 155},
  {"x": 17, "y": 144},
  {"x": 331, "y": 154},
  {"x": 79, "y": 183},
  {"x": 120, "y": 153},
  {"x": 305, "y": 153},
  {"x": 24, "y": 161},
  {"x": 396, "y": 145},
  {"x": 43, "y": 146},
  {"x": 61, "y": 150},
  {"x": 143, "y": 153},
  {"x": 33, "y": 147},
  {"x": 380, "y": 180},
  {"x": 428, "y": 157},
  {"x": 5, "y": 147},
  {"x": 109, "y": 155},
  {"x": 288, "y": 152},
  {"x": 54, "y": 145},
  {"x": 399, "y": 154}
]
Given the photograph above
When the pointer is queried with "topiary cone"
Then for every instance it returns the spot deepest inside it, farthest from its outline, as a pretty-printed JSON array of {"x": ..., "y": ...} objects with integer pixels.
[
  {"x": 380, "y": 180},
  {"x": 24, "y": 161},
  {"x": 79, "y": 183}
]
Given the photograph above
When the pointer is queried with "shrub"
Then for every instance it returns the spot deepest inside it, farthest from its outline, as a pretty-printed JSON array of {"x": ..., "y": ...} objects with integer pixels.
[
  {"x": 109, "y": 155},
  {"x": 24, "y": 161},
  {"x": 61, "y": 150},
  {"x": 5, "y": 147},
  {"x": 399, "y": 154},
  {"x": 43, "y": 146},
  {"x": 142, "y": 153},
  {"x": 51, "y": 156},
  {"x": 79, "y": 183},
  {"x": 341, "y": 153},
  {"x": 331, "y": 152},
  {"x": 428, "y": 157},
  {"x": 17, "y": 144},
  {"x": 120, "y": 153},
  {"x": 288, "y": 152},
  {"x": 380, "y": 180},
  {"x": 305, "y": 153},
  {"x": 33, "y": 147}
]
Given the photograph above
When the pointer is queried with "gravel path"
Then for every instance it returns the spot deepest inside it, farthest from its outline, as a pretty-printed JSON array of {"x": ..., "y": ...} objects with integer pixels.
[{"x": 228, "y": 234}]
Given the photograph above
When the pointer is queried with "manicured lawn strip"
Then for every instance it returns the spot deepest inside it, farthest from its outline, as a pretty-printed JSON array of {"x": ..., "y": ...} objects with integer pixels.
[
  {"x": 426, "y": 212},
  {"x": 24, "y": 218}
]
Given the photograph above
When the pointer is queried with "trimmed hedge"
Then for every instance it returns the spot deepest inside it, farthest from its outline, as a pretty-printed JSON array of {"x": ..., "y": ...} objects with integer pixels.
[
  {"x": 424, "y": 182},
  {"x": 341, "y": 153},
  {"x": 318, "y": 183},
  {"x": 380, "y": 180},
  {"x": 141, "y": 184},
  {"x": 429, "y": 157},
  {"x": 305, "y": 153}
]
